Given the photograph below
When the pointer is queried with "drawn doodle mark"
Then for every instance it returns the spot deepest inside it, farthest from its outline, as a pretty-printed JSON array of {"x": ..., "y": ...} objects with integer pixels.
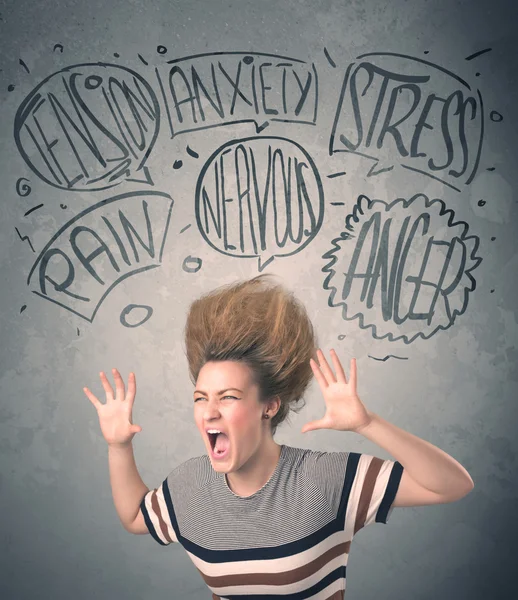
[
  {"x": 132, "y": 310},
  {"x": 22, "y": 63},
  {"x": 23, "y": 189},
  {"x": 192, "y": 264},
  {"x": 32, "y": 209}
]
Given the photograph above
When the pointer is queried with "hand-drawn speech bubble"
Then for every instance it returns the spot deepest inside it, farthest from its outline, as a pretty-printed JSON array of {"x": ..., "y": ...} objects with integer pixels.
[
  {"x": 397, "y": 109},
  {"x": 403, "y": 269},
  {"x": 259, "y": 196},
  {"x": 100, "y": 247},
  {"x": 88, "y": 127},
  {"x": 208, "y": 90}
]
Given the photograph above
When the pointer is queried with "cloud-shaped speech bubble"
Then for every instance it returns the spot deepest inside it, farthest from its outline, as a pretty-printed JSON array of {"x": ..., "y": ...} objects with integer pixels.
[
  {"x": 403, "y": 269},
  {"x": 88, "y": 127},
  {"x": 259, "y": 196}
]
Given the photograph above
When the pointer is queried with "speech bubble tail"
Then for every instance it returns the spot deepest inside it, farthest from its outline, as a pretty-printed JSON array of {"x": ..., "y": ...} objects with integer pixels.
[
  {"x": 146, "y": 177},
  {"x": 262, "y": 263},
  {"x": 377, "y": 168},
  {"x": 262, "y": 127}
]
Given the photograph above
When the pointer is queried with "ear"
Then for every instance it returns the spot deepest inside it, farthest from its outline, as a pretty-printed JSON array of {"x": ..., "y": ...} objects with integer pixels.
[{"x": 274, "y": 405}]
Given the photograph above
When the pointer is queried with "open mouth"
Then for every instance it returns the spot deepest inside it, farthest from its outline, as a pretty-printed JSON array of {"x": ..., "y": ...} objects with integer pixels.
[
  {"x": 221, "y": 448},
  {"x": 212, "y": 439}
]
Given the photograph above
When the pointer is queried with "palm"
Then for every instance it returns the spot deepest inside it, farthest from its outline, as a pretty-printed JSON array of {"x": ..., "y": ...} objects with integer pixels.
[
  {"x": 344, "y": 409},
  {"x": 115, "y": 416},
  {"x": 115, "y": 420}
]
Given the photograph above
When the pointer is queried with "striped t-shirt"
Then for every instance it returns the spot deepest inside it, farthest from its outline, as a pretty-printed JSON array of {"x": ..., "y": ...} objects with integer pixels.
[{"x": 287, "y": 541}]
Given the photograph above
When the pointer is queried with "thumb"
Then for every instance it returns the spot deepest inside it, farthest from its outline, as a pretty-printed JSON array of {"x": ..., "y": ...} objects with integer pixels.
[
  {"x": 136, "y": 429},
  {"x": 311, "y": 426}
]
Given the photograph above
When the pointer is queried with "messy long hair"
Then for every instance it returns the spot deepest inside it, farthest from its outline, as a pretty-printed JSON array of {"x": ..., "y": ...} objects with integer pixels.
[{"x": 263, "y": 326}]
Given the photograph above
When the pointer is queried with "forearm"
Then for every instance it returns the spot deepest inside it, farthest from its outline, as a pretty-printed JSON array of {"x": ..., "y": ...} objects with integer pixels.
[
  {"x": 128, "y": 489},
  {"x": 425, "y": 463}
]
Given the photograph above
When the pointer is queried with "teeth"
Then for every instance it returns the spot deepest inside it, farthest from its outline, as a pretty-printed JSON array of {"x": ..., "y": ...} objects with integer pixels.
[{"x": 213, "y": 431}]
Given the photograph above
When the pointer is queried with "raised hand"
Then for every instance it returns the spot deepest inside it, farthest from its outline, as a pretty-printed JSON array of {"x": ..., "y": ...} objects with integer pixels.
[
  {"x": 344, "y": 409},
  {"x": 115, "y": 414}
]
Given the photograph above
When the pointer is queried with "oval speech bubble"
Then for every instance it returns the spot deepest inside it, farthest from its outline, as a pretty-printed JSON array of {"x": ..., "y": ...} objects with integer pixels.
[
  {"x": 259, "y": 196},
  {"x": 88, "y": 127}
]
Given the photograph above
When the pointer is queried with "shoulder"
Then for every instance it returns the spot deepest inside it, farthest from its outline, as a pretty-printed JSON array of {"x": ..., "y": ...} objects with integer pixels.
[
  {"x": 192, "y": 474},
  {"x": 319, "y": 465}
]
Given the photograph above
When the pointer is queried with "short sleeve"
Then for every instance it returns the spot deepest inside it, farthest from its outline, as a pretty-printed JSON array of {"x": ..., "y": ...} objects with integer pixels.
[
  {"x": 370, "y": 487},
  {"x": 158, "y": 512}
]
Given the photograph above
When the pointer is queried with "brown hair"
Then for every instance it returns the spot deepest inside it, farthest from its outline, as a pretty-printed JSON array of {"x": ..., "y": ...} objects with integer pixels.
[{"x": 266, "y": 328}]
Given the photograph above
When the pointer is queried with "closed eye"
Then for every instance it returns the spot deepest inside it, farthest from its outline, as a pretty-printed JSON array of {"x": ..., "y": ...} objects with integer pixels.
[{"x": 202, "y": 398}]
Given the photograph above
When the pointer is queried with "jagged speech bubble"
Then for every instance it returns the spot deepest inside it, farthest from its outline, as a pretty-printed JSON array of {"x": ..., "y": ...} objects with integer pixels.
[{"x": 403, "y": 269}]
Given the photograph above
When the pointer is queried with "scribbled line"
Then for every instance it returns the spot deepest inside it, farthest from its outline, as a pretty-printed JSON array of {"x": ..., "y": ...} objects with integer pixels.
[
  {"x": 25, "y": 238},
  {"x": 185, "y": 228},
  {"x": 471, "y": 56},
  {"x": 60, "y": 46},
  {"x": 32, "y": 209},
  {"x": 432, "y": 176},
  {"x": 336, "y": 174},
  {"x": 388, "y": 356},
  {"x": 329, "y": 59},
  {"x": 142, "y": 59},
  {"x": 175, "y": 60},
  {"x": 337, "y": 203},
  {"x": 23, "y": 308},
  {"x": 192, "y": 153},
  {"x": 424, "y": 62},
  {"x": 24, "y": 66}
]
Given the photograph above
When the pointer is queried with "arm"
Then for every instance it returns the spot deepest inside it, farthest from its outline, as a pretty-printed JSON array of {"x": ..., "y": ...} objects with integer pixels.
[
  {"x": 430, "y": 475},
  {"x": 128, "y": 489}
]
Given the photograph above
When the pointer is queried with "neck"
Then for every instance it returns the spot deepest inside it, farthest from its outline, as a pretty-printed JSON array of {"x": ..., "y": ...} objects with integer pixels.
[{"x": 257, "y": 471}]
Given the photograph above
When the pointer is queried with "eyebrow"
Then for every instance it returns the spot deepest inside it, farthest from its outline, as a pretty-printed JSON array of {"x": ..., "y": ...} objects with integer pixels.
[{"x": 219, "y": 393}]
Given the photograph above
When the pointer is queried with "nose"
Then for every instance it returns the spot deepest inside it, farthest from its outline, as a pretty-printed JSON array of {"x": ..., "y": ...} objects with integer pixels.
[{"x": 211, "y": 411}]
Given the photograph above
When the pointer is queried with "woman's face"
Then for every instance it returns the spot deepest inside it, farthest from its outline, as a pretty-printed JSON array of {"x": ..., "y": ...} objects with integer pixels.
[{"x": 226, "y": 399}]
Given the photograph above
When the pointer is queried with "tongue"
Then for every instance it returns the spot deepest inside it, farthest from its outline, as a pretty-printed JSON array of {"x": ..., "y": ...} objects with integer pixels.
[{"x": 222, "y": 443}]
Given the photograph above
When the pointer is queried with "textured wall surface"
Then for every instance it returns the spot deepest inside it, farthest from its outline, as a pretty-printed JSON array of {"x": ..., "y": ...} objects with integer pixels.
[{"x": 363, "y": 151}]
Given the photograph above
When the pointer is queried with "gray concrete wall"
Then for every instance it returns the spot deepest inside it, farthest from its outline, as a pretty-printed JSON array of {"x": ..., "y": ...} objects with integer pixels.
[{"x": 401, "y": 117}]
